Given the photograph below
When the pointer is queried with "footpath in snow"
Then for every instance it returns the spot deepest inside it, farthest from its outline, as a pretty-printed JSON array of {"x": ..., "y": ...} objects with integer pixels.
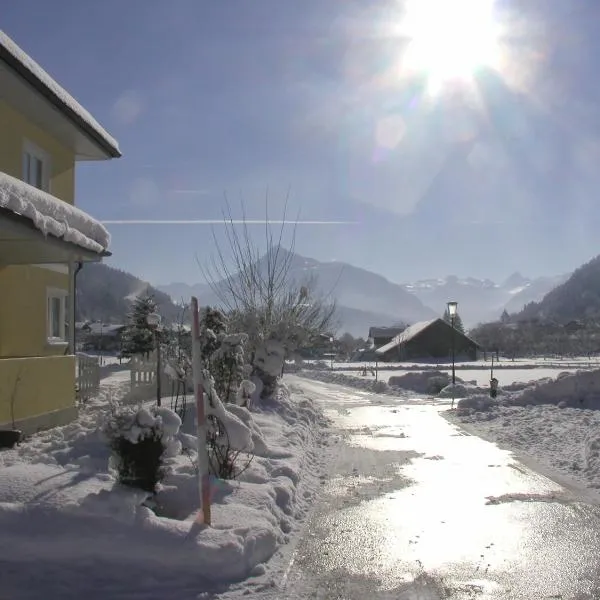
[{"x": 68, "y": 530}]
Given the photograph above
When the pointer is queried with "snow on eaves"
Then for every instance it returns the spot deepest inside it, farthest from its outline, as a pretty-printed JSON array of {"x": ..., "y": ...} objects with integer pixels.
[
  {"x": 38, "y": 72},
  {"x": 52, "y": 216}
]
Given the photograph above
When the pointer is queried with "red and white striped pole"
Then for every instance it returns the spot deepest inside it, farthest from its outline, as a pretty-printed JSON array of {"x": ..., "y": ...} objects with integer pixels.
[{"x": 203, "y": 470}]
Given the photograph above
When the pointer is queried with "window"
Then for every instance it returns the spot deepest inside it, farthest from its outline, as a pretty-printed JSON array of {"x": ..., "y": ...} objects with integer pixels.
[
  {"x": 56, "y": 308},
  {"x": 36, "y": 166}
]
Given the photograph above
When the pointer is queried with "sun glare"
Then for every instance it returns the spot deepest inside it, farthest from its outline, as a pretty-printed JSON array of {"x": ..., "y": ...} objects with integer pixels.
[{"x": 449, "y": 39}]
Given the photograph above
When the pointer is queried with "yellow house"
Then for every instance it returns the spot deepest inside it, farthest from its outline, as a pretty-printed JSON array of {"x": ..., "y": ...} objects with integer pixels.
[{"x": 44, "y": 239}]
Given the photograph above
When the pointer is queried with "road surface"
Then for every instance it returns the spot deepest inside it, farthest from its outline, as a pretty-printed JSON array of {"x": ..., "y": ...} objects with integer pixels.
[{"x": 416, "y": 509}]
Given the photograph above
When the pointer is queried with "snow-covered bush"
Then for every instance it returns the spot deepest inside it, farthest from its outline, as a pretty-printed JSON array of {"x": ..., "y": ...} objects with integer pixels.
[
  {"x": 265, "y": 299},
  {"x": 229, "y": 369},
  {"x": 142, "y": 441}
]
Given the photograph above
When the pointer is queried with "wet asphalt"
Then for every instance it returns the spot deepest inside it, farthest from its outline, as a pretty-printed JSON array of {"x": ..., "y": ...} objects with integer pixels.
[{"x": 416, "y": 509}]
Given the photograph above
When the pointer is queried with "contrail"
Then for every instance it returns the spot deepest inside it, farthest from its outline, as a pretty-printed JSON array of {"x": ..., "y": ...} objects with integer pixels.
[{"x": 221, "y": 222}]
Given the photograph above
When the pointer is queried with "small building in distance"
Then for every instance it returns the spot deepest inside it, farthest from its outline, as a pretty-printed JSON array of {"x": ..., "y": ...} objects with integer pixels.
[
  {"x": 379, "y": 336},
  {"x": 428, "y": 340}
]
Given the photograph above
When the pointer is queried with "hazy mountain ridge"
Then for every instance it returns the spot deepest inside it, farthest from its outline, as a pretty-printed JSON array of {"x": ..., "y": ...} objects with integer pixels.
[
  {"x": 482, "y": 300},
  {"x": 577, "y": 298},
  {"x": 106, "y": 294}
]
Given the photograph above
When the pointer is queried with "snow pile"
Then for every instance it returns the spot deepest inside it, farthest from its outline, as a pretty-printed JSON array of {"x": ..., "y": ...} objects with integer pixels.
[
  {"x": 52, "y": 216},
  {"x": 58, "y": 486},
  {"x": 557, "y": 423},
  {"x": 369, "y": 385},
  {"x": 581, "y": 389},
  {"x": 26, "y": 61},
  {"x": 427, "y": 382},
  {"x": 460, "y": 390}
]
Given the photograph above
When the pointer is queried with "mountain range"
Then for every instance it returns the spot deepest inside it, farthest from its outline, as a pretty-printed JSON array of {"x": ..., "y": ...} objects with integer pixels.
[{"x": 365, "y": 299}]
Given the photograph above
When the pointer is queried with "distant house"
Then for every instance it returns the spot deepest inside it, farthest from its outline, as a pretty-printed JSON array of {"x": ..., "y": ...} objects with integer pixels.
[
  {"x": 379, "y": 336},
  {"x": 428, "y": 340},
  {"x": 102, "y": 336}
]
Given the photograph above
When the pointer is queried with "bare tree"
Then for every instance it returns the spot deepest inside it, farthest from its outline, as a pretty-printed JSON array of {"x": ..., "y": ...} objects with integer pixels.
[{"x": 257, "y": 289}]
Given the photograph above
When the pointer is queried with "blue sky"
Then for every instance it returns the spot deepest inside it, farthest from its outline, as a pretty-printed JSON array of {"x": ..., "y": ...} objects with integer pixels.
[{"x": 228, "y": 99}]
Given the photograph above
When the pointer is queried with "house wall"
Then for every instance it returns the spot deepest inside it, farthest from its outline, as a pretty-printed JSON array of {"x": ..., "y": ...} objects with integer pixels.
[
  {"x": 15, "y": 129},
  {"x": 24, "y": 385},
  {"x": 23, "y": 311}
]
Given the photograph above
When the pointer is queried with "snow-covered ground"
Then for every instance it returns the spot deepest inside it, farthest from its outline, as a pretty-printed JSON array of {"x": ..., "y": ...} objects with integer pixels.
[
  {"x": 480, "y": 376},
  {"x": 504, "y": 363},
  {"x": 554, "y": 423},
  {"x": 68, "y": 530}
]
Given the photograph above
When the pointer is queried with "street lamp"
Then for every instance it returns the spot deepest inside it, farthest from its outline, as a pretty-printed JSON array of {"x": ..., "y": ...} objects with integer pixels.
[
  {"x": 153, "y": 321},
  {"x": 452, "y": 308}
]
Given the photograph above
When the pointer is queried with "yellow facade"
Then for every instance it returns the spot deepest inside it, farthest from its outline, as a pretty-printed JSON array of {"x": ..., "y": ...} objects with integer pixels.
[
  {"x": 45, "y": 392},
  {"x": 15, "y": 130},
  {"x": 23, "y": 311},
  {"x": 40, "y": 391}
]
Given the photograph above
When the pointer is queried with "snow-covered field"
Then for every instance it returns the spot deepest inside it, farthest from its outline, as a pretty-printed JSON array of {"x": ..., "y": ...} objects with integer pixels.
[
  {"x": 480, "y": 376},
  {"x": 504, "y": 363},
  {"x": 68, "y": 530}
]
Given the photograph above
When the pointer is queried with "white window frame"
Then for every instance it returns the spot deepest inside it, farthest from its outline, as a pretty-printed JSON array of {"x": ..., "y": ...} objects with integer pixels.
[
  {"x": 29, "y": 148},
  {"x": 61, "y": 295}
]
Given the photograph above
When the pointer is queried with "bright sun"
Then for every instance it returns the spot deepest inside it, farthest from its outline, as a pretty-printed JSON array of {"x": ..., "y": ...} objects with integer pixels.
[{"x": 449, "y": 39}]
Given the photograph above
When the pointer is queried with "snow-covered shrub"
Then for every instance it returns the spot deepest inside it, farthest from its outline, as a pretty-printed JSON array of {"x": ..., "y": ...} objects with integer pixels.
[
  {"x": 228, "y": 366},
  {"x": 268, "y": 364},
  {"x": 141, "y": 441}
]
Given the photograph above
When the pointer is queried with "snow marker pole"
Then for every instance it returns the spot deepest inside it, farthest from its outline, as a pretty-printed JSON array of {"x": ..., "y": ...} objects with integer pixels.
[{"x": 203, "y": 474}]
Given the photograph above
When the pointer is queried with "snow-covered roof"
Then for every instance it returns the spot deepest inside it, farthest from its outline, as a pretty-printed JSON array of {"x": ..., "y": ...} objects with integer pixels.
[
  {"x": 27, "y": 68},
  {"x": 408, "y": 334},
  {"x": 52, "y": 216}
]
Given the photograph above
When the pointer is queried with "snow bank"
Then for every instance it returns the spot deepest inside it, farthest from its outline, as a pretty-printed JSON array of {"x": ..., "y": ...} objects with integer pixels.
[
  {"x": 369, "y": 385},
  {"x": 52, "y": 216},
  {"x": 429, "y": 383},
  {"x": 60, "y": 503},
  {"x": 557, "y": 423}
]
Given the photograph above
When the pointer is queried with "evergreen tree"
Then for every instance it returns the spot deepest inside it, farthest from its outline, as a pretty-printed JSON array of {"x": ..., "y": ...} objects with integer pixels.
[
  {"x": 138, "y": 337},
  {"x": 458, "y": 324},
  {"x": 505, "y": 317}
]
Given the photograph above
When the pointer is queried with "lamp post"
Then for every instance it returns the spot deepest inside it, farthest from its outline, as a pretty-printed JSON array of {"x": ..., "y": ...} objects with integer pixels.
[
  {"x": 452, "y": 307},
  {"x": 153, "y": 320}
]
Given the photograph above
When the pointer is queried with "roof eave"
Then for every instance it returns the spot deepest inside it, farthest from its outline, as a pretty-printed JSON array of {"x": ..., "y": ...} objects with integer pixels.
[{"x": 20, "y": 69}]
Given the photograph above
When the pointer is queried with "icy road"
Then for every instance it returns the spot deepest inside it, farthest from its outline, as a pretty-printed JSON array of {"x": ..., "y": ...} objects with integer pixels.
[{"x": 417, "y": 509}]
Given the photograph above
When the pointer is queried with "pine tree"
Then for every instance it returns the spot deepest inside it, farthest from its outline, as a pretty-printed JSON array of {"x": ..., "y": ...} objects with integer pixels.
[
  {"x": 458, "y": 324},
  {"x": 505, "y": 317},
  {"x": 138, "y": 337}
]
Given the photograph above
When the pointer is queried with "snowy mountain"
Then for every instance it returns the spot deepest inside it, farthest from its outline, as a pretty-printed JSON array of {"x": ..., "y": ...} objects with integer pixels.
[
  {"x": 364, "y": 298},
  {"x": 481, "y": 300}
]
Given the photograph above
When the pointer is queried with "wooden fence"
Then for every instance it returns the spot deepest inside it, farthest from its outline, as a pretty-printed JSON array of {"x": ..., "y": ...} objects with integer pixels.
[{"x": 88, "y": 376}]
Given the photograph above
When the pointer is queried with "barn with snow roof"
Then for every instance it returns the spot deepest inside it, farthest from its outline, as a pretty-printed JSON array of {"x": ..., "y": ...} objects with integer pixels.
[{"x": 428, "y": 340}]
